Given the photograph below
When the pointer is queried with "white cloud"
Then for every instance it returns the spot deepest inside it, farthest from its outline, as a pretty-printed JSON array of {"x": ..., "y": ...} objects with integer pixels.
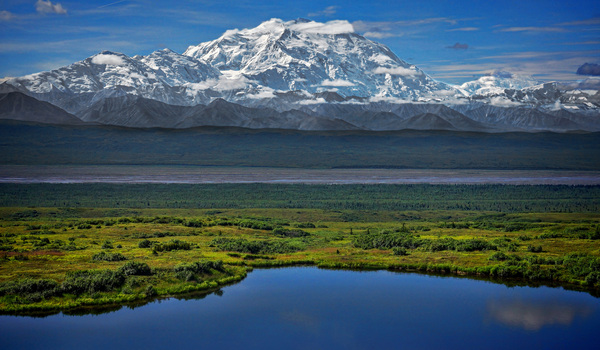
[
  {"x": 389, "y": 99},
  {"x": 112, "y": 60},
  {"x": 328, "y": 11},
  {"x": 265, "y": 93},
  {"x": 312, "y": 102},
  {"x": 465, "y": 29},
  {"x": 6, "y": 16},
  {"x": 533, "y": 29},
  {"x": 388, "y": 29},
  {"x": 331, "y": 27},
  {"x": 48, "y": 7},
  {"x": 336, "y": 82},
  {"x": 381, "y": 35},
  {"x": 396, "y": 71},
  {"x": 232, "y": 83},
  {"x": 503, "y": 102},
  {"x": 230, "y": 32},
  {"x": 223, "y": 83},
  {"x": 591, "y": 21}
]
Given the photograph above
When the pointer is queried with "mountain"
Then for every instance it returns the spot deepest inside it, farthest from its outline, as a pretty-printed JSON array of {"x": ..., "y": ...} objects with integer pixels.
[
  {"x": 427, "y": 121},
  {"x": 304, "y": 75},
  {"x": 496, "y": 82},
  {"x": 136, "y": 111},
  {"x": 315, "y": 57},
  {"x": 111, "y": 74},
  {"x": 18, "y": 106}
]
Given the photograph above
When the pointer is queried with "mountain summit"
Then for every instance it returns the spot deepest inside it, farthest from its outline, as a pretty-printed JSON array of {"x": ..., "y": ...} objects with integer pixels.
[
  {"x": 297, "y": 74},
  {"x": 316, "y": 57}
]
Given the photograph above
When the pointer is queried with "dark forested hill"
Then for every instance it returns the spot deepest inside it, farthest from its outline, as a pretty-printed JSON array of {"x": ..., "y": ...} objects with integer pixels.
[{"x": 28, "y": 143}]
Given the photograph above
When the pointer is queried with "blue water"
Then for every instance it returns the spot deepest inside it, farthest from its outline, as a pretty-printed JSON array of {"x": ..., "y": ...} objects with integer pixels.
[{"x": 310, "y": 308}]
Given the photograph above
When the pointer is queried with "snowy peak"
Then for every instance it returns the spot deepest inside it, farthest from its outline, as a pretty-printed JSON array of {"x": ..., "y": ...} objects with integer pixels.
[
  {"x": 105, "y": 70},
  {"x": 175, "y": 69},
  {"x": 315, "y": 57},
  {"x": 300, "y": 74},
  {"x": 496, "y": 82}
]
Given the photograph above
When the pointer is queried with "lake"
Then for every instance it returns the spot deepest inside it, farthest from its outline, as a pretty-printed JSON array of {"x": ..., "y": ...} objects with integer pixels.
[
  {"x": 207, "y": 175},
  {"x": 311, "y": 308}
]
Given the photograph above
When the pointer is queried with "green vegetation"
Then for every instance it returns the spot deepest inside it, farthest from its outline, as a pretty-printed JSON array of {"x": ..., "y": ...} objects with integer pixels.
[
  {"x": 500, "y": 198},
  {"x": 67, "y": 257}
]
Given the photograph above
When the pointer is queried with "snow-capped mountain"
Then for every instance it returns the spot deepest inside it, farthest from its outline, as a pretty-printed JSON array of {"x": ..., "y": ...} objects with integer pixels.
[
  {"x": 163, "y": 76},
  {"x": 316, "y": 57},
  {"x": 496, "y": 82},
  {"x": 299, "y": 74}
]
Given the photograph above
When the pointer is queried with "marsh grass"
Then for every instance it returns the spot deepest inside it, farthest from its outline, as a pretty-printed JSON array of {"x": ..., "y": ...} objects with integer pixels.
[{"x": 156, "y": 252}]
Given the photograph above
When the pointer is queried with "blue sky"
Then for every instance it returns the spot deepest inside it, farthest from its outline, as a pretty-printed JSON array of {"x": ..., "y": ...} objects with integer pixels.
[{"x": 453, "y": 41}]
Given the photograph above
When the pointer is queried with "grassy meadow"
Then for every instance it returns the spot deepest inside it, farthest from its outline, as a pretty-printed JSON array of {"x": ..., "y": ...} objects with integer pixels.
[{"x": 64, "y": 247}]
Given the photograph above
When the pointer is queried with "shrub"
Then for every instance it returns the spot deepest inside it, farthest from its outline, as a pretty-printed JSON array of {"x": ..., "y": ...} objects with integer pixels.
[
  {"x": 173, "y": 244},
  {"x": 92, "y": 281},
  {"x": 512, "y": 247},
  {"x": 134, "y": 268},
  {"x": 145, "y": 244},
  {"x": 499, "y": 256},
  {"x": 280, "y": 231},
  {"x": 534, "y": 249},
  {"x": 43, "y": 287},
  {"x": 188, "y": 271},
  {"x": 150, "y": 292},
  {"x": 254, "y": 247},
  {"x": 107, "y": 245},
  {"x": 104, "y": 256},
  {"x": 399, "y": 251},
  {"x": 305, "y": 225}
]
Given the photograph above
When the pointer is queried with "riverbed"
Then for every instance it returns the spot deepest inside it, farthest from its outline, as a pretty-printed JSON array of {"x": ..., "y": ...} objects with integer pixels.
[{"x": 208, "y": 175}]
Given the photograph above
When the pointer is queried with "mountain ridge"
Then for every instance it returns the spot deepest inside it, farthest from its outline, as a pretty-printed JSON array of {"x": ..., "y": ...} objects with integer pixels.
[{"x": 299, "y": 74}]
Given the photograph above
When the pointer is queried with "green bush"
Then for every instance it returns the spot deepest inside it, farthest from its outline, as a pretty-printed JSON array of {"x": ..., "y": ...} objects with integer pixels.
[
  {"x": 104, "y": 256},
  {"x": 499, "y": 256},
  {"x": 188, "y": 271},
  {"x": 280, "y": 231},
  {"x": 134, "y": 268},
  {"x": 534, "y": 249},
  {"x": 305, "y": 225},
  {"x": 399, "y": 251},
  {"x": 28, "y": 286},
  {"x": 254, "y": 247},
  {"x": 173, "y": 244},
  {"x": 145, "y": 244},
  {"x": 150, "y": 292},
  {"x": 92, "y": 281}
]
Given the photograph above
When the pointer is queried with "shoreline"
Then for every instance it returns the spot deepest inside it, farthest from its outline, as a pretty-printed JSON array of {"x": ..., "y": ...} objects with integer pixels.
[
  {"x": 200, "y": 290},
  {"x": 63, "y": 258}
]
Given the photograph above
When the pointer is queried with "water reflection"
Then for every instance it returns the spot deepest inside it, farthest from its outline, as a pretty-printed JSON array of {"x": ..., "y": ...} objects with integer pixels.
[
  {"x": 304, "y": 320},
  {"x": 533, "y": 315},
  {"x": 311, "y": 308}
]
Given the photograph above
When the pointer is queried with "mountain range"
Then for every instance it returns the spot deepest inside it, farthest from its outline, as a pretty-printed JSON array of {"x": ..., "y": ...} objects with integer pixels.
[{"x": 298, "y": 74}]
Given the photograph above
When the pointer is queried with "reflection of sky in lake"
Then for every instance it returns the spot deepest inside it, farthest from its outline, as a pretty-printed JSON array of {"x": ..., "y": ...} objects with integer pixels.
[
  {"x": 533, "y": 315},
  {"x": 311, "y": 308}
]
